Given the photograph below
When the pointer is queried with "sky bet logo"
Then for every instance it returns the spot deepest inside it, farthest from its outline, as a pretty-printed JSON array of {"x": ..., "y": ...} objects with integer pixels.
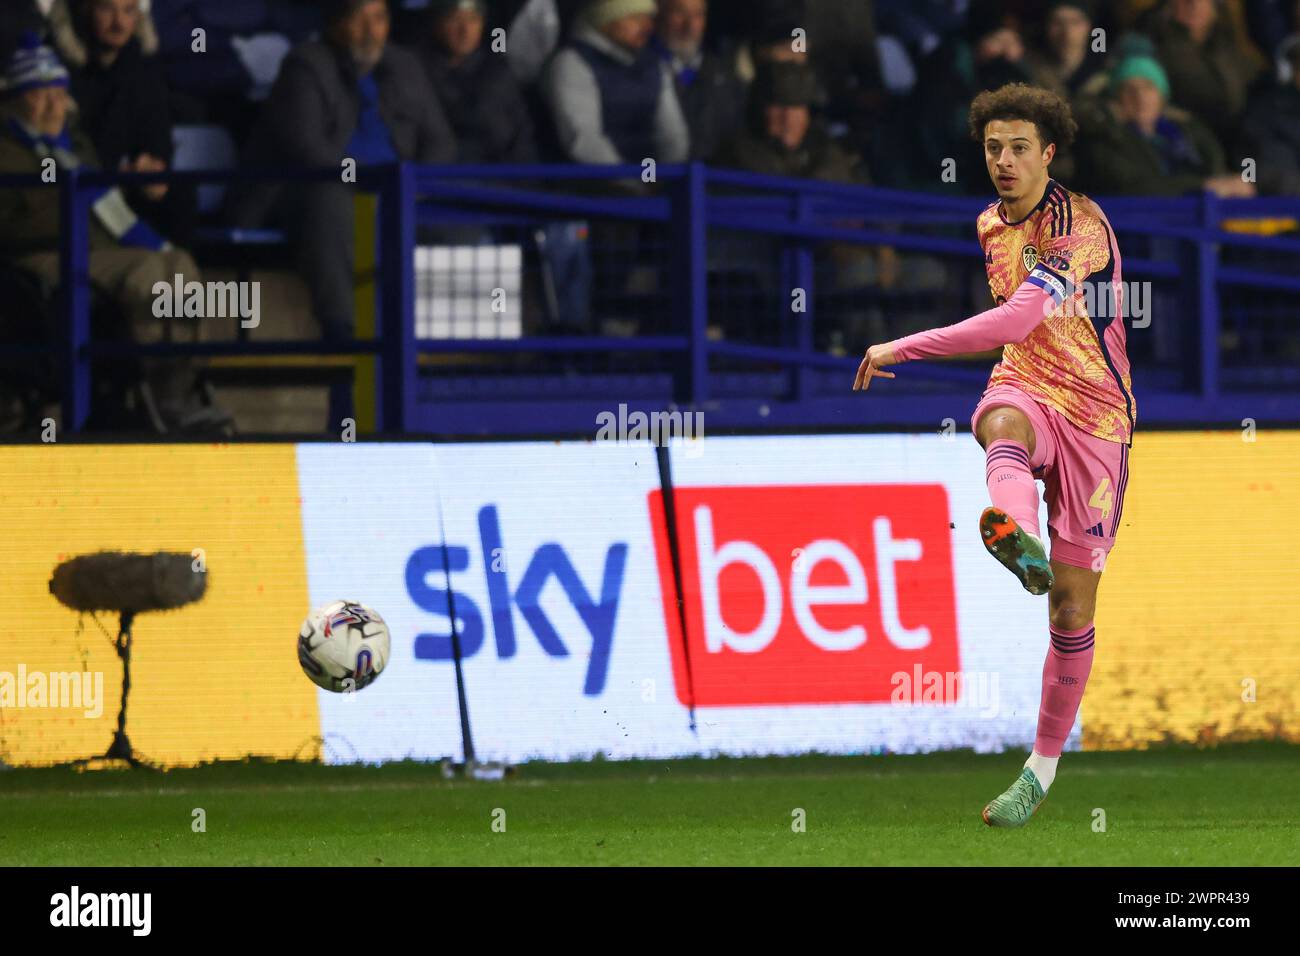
[
  {"x": 814, "y": 594},
  {"x": 426, "y": 577}
]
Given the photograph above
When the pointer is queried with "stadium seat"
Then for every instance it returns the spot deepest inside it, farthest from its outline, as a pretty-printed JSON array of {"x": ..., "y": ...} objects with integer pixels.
[{"x": 205, "y": 146}]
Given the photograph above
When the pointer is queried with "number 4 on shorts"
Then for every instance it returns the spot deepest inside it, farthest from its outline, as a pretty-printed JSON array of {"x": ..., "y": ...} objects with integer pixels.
[{"x": 1101, "y": 498}]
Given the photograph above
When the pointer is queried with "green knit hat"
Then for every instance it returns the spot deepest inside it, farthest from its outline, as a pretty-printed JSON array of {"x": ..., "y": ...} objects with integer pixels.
[
  {"x": 1143, "y": 67},
  {"x": 600, "y": 12}
]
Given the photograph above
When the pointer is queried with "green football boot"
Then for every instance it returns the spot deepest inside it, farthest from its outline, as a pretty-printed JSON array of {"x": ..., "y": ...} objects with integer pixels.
[
  {"x": 1014, "y": 807},
  {"x": 1017, "y": 550}
]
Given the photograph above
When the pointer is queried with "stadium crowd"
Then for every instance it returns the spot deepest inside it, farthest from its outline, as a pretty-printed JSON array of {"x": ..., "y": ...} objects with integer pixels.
[{"x": 1171, "y": 96}]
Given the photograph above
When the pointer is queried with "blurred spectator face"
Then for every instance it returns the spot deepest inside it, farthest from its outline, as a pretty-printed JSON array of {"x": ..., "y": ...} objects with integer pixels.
[
  {"x": 681, "y": 25},
  {"x": 113, "y": 22},
  {"x": 632, "y": 32},
  {"x": 1003, "y": 43},
  {"x": 1196, "y": 15},
  {"x": 45, "y": 109},
  {"x": 1067, "y": 32},
  {"x": 460, "y": 32},
  {"x": 363, "y": 33},
  {"x": 787, "y": 124},
  {"x": 1139, "y": 102}
]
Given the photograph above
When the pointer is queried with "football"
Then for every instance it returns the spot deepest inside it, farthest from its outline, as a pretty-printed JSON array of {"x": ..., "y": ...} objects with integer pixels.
[{"x": 343, "y": 646}]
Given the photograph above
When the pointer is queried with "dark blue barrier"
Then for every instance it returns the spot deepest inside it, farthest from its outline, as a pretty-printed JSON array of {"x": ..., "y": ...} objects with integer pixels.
[{"x": 769, "y": 368}]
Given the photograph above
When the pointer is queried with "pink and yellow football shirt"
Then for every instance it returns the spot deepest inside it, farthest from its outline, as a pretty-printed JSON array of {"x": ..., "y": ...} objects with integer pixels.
[{"x": 1075, "y": 359}]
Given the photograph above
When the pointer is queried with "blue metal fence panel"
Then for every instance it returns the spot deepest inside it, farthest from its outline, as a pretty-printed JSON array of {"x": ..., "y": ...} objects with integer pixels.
[{"x": 702, "y": 272}]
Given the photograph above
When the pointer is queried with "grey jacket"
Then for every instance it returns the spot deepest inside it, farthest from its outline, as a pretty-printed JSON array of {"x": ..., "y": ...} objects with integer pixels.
[
  {"x": 573, "y": 95},
  {"x": 312, "y": 112}
]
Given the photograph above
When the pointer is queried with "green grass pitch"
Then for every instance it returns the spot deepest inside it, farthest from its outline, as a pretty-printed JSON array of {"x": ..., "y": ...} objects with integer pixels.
[{"x": 1230, "y": 806}]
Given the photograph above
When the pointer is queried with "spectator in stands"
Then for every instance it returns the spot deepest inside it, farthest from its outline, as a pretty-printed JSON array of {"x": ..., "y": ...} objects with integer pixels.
[
  {"x": 475, "y": 86},
  {"x": 836, "y": 38},
  {"x": 127, "y": 258},
  {"x": 845, "y": 53},
  {"x": 921, "y": 25},
  {"x": 124, "y": 107},
  {"x": 1209, "y": 68},
  {"x": 989, "y": 53},
  {"x": 780, "y": 137},
  {"x": 1066, "y": 64},
  {"x": 351, "y": 95},
  {"x": 711, "y": 95},
  {"x": 1271, "y": 126},
  {"x": 1136, "y": 144},
  {"x": 610, "y": 95},
  {"x": 1268, "y": 23},
  {"x": 771, "y": 39},
  {"x": 534, "y": 29},
  {"x": 73, "y": 42}
]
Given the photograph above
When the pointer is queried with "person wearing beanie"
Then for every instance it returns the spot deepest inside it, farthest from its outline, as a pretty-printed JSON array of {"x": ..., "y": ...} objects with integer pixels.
[
  {"x": 1144, "y": 68},
  {"x": 1136, "y": 144},
  {"x": 127, "y": 258},
  {"x": 354, "y": 95},
  {"x": 609, "y": 95},
  {"x": 475, "y": 87},
  {"x": 602, "y": 13}
]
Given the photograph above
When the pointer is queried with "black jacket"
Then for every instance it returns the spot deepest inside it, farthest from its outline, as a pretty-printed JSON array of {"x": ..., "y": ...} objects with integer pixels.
[
  {"x": 485, "y": 106},
  {"x": 1271, "y": 134},
  {"x": 124, "y": 107},
  {"x": 714, "y": 106}
]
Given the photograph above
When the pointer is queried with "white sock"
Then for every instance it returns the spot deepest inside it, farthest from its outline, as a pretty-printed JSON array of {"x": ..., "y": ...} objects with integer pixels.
[{"x": 1044, "y": 768}]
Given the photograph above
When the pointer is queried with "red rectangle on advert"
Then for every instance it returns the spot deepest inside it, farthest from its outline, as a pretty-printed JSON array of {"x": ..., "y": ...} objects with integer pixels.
[{"x": 807, "y": 594}]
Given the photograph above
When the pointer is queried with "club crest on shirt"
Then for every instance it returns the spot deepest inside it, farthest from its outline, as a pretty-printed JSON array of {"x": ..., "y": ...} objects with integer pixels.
[{"x": 1029, "y": 255}]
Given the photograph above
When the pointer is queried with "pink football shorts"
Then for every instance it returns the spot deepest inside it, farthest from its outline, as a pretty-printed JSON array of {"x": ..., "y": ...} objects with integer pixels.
[{"x": 1084, "y": 477}]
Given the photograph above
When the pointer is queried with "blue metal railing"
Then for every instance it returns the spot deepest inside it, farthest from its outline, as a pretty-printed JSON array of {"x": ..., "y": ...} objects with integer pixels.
[{"x": 692, "y": 203}]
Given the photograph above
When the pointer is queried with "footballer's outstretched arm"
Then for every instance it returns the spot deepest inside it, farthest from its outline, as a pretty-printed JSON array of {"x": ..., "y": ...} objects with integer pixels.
[{"x": 1012, "y": 321}]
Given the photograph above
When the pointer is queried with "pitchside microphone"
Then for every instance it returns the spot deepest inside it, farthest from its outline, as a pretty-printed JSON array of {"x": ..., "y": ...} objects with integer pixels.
[{"x": 127, "y": 584}]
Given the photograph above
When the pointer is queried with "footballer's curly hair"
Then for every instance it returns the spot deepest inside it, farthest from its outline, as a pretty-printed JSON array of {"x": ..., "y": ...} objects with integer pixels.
[{"x": 1018, "y": 101}]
